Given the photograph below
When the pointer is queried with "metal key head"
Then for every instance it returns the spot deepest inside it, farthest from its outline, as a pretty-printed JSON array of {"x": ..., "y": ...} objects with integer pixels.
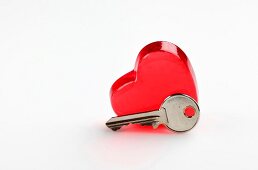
[{"x": 176, "y": 107}]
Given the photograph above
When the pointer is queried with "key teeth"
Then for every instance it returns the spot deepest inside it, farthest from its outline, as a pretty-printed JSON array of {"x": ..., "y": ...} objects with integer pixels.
[
  {"x": 155, "y": 125},
  {"x": 146, "y": 124},
  {"x": 116, "y": 128}
]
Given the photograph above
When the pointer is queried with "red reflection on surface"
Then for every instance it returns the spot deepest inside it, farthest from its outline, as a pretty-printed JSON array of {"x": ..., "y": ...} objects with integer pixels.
[{"x": 136, "y": 128}]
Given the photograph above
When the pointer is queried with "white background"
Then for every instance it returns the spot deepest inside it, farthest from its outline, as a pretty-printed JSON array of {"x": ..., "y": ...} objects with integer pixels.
[{"x": 58, "y": 60}]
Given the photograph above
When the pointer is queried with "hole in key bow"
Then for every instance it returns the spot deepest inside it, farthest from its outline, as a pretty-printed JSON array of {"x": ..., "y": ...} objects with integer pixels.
[{"x": 189, "y": 111}]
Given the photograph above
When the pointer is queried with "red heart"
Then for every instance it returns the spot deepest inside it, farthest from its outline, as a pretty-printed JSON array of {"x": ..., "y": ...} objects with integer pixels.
[{"x": 162, "y": 69}]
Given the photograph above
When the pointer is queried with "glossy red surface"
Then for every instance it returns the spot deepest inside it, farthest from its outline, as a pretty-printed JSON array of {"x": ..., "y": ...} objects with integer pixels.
[{"x": 161, "y": 69}]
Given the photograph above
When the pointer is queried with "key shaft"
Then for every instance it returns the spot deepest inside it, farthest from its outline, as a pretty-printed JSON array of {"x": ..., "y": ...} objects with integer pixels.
[{"x": 146, "y": 118}]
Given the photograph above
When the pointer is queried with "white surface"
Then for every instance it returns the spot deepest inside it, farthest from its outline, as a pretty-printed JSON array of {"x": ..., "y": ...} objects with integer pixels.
[{"x": 58, "y": 60}]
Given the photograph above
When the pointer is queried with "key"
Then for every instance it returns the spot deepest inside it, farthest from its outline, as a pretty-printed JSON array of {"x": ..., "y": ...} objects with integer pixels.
[{"x": 178, "y": 113}]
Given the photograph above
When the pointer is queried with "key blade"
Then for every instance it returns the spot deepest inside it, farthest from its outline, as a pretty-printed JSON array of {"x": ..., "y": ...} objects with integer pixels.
[
  {"x": 116, "y": 123},
  {"x": 145, "y": 118}
]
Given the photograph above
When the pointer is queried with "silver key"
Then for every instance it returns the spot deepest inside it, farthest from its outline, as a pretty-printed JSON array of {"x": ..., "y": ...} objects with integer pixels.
[{"x": 171, "y": 114}]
